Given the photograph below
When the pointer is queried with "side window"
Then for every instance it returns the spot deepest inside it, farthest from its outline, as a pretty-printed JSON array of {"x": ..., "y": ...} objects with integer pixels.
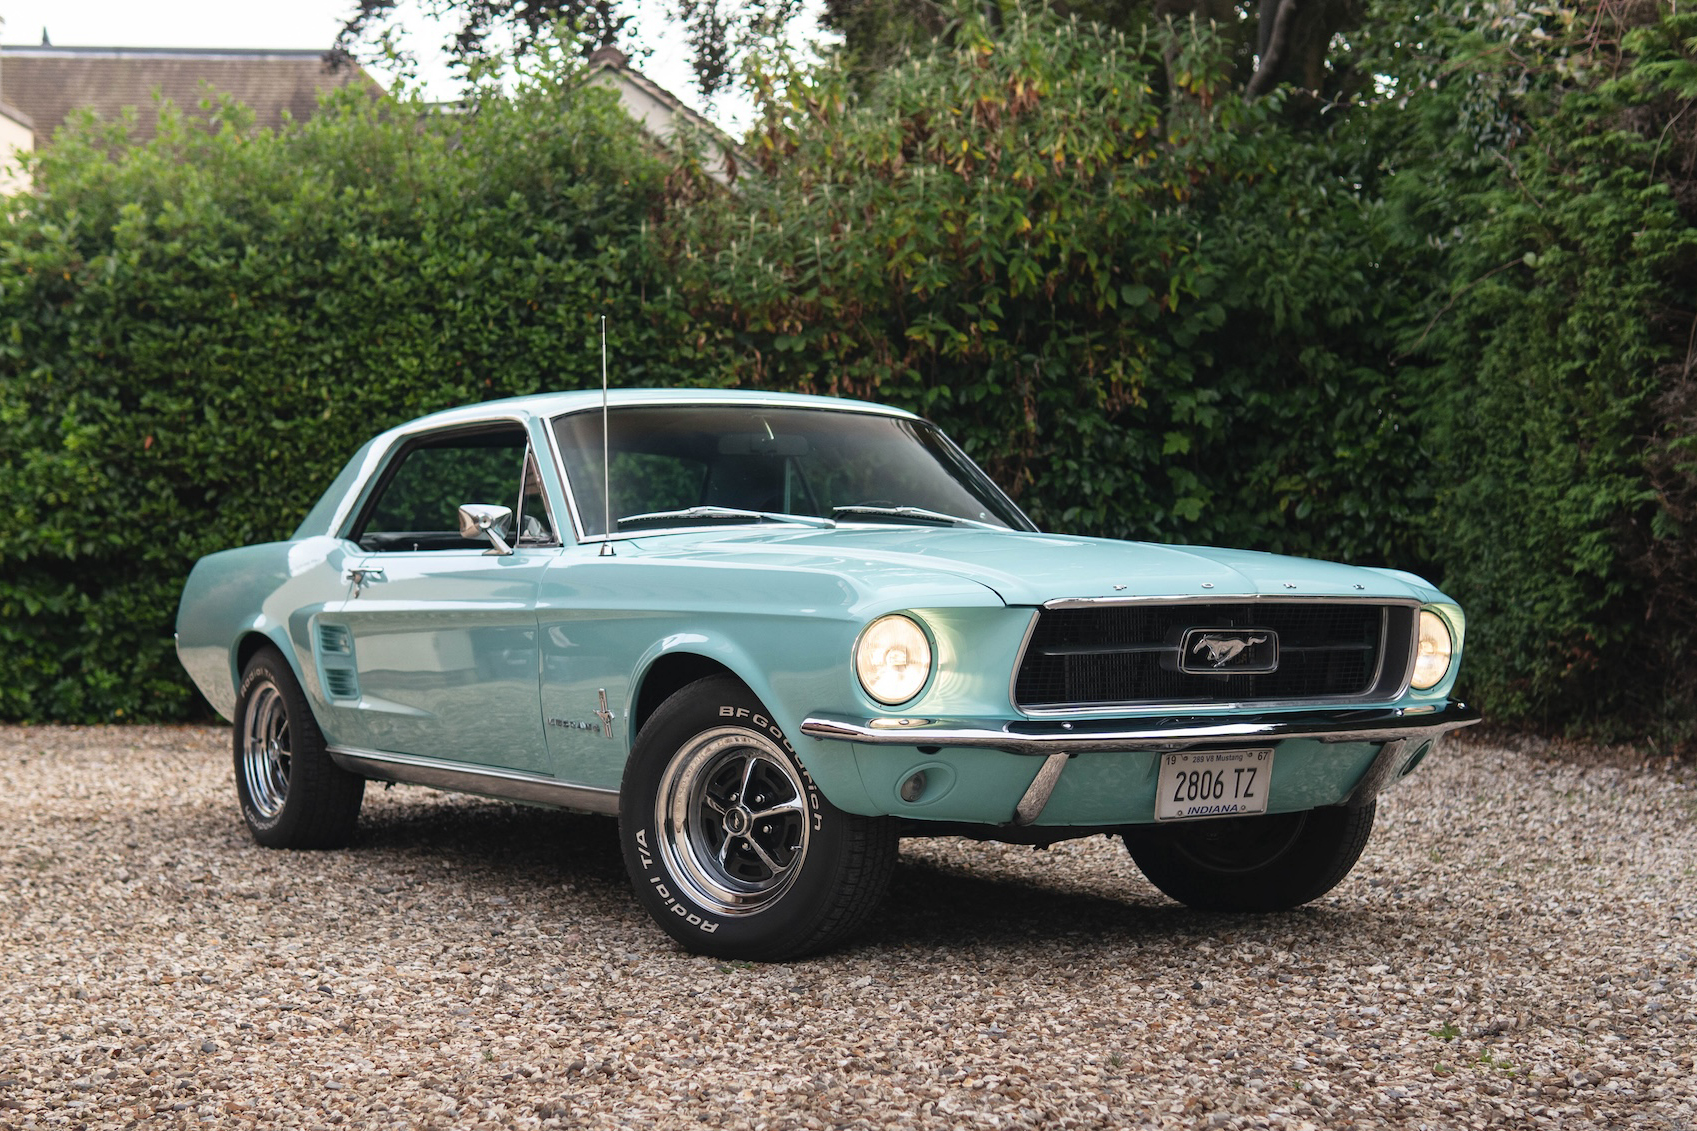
[{"x": 417, "y": 505}]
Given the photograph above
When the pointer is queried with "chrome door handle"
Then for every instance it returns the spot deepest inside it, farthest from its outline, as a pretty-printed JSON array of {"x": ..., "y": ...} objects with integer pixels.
[{"x": 365, "y": 575}]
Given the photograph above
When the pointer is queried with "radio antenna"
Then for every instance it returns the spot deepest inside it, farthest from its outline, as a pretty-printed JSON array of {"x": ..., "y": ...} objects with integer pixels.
[{"x": 606, "y": 460}]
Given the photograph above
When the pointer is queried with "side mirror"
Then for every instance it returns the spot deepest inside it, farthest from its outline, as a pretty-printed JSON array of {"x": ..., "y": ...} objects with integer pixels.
[{"x": 481, "y": 519}]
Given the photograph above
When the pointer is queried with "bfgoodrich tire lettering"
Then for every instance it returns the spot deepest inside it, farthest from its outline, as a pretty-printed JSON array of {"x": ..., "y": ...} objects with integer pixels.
[
  {"x": 1266, "y": 863},
  {"x": 292, "y": 795},
  {"x": 728, "y": 842}
]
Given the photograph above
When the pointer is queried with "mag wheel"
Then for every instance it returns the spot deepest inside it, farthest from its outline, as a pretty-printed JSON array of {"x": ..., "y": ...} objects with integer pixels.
[
  {"x": 730, "y": 845},
  {"x": 1267, "y": 863},
  {"x": 292, "y": 795}
]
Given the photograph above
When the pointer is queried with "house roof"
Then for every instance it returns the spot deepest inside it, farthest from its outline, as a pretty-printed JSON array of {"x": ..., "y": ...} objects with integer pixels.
[
  {"x": 660, "y": 112},
  {"x": 612, "y": 59},
  {"x": 49, "y": 83}
]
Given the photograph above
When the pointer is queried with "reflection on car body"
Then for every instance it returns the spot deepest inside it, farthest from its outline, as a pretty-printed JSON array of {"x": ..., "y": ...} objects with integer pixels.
[{"x": 783, "y": 631}]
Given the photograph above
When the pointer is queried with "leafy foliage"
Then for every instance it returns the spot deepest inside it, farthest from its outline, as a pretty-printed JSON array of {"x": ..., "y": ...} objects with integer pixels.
[
  {"x": 1440, "y": 319},
  {"x": 197, "y": 332},
  {"x": 1556, "y": 340},
  {"x": 528, "y": 24},
  {"x": 1149, "y": 319}
]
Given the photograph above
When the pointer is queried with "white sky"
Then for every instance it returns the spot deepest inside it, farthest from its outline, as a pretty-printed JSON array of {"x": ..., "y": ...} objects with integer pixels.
[{"x": 314, "y": 24}]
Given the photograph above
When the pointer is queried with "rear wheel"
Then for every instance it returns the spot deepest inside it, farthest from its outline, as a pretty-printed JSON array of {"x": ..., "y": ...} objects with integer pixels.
[
  {"x": 1266, "y": 863},
  {"x": 728, "y": 842},
  {"x": 292, "y": 794}
]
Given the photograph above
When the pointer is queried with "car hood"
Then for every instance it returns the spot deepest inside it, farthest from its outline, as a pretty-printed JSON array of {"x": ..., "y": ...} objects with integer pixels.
[{"x": 1031, "y": 568}]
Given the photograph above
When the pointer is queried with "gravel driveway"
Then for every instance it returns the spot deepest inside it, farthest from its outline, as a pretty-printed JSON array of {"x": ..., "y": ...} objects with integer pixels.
[{"x": 1518, "y": 948}]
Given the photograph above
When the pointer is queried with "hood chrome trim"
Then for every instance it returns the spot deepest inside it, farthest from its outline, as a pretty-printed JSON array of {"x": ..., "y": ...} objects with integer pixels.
[{"x": 1226, "y": 599}]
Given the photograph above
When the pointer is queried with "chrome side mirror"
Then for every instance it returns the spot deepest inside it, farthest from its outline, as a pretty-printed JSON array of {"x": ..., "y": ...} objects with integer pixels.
[{"x": 481, "y": 519}]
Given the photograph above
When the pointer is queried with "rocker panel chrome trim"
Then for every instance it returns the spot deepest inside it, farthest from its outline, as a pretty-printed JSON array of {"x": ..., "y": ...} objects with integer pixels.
[{"x": 506, "y": 785}]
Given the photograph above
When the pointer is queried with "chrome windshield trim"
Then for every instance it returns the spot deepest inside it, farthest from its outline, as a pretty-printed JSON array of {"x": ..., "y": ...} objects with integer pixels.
[
  {"x": 561, "y": 483},
  {"x": 507, "y": 785},
  {"x": 1384, "y": 724}
]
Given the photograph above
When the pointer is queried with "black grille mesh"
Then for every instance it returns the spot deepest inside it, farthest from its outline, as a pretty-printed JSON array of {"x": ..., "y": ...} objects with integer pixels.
[{"x": 1129, "y": 654}]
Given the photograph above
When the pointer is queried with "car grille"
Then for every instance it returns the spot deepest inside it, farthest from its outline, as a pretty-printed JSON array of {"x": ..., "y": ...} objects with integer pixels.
[{"x": 1129, "y": 655}]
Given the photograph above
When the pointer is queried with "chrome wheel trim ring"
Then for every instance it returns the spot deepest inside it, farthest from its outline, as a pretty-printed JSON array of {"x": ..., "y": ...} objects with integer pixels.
[
  {"x": 733, "y": 821},
  {"x": 265, "y": 750}
]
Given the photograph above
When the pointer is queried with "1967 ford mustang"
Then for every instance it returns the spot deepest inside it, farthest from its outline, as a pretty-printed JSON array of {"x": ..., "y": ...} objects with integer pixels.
[{"x": 773, "y": 633}]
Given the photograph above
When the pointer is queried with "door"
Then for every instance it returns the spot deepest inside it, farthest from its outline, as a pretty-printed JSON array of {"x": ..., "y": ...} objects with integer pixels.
[{"x": 441, "y": 630}]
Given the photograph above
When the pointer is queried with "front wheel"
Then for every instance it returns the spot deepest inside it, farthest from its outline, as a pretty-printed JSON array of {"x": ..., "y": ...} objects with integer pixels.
[
  {"x": 291, "y": 793},
  {"x": 728, "y": 842},
  {"x": 1267, "y": 863}
]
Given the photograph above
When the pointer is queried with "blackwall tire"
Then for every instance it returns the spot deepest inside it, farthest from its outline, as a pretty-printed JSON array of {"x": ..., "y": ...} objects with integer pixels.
[
  {"x": 1268, "y": 863},
  {"x": 291, "y": 794},
  {"x": 730, "y": 845}
]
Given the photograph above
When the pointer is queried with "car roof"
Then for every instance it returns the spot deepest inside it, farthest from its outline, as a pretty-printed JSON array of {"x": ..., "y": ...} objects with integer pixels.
[{"x": 548, "y": 405}]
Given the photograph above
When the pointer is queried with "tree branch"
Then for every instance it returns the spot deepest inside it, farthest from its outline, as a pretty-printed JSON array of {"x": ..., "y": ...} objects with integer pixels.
[
  {"x": 1455, "y": 298},
  {"x": 1273, "y": 58}
]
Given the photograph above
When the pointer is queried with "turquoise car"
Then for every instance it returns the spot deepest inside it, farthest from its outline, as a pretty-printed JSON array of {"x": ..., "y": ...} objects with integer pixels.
[{"x": 775, "y": 633}]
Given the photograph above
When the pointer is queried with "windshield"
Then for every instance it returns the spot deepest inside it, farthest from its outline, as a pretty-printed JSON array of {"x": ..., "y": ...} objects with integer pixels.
[{"x": 678, "y": 465}]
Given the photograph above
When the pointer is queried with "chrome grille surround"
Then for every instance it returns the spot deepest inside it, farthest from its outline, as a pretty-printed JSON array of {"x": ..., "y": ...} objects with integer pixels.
[{"x": 1103, "y": 655}]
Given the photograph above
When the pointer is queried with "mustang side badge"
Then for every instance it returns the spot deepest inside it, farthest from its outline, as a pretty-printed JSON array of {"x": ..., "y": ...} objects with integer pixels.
[
  {"x": 603, "y": 717},
  {"x": 1217, "y": 651}
]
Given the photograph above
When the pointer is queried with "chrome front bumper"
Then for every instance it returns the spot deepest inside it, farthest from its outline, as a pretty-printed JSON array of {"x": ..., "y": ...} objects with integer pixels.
[
  {"x": 1090, "y": 736},
  {"x": 1400, "y": 731}
]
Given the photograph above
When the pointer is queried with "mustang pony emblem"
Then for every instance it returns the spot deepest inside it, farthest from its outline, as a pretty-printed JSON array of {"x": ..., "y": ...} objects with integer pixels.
[{"x": 1222, "y": 650}]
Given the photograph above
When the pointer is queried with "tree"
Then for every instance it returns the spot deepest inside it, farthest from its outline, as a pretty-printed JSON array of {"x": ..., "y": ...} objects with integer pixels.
[
  {"x": 1268, "y": 42},
  {"x": 1146, "y": 322},
  {"x": 600, "y": 23},
  {"x": 717, "y": 30}
]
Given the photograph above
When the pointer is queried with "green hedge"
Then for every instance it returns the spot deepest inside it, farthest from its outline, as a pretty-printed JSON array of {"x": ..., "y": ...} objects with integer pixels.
[
  {"x": 1559, "y": 335},
  {"x": 1151, "y": 315},
  {"x": 196, "y": 333},
  {"x": 1446, "y": 329},
  {"x": 1440, "y": 329}
]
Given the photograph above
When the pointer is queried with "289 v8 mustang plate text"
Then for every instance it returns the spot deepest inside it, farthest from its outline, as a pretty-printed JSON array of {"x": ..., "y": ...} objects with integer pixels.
[{"x": 1214, "y": 783}]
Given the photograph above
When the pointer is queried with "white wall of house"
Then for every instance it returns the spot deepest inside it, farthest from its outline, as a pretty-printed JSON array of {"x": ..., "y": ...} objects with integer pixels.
[
  {"x": 15, "y": 137},
  {"x": 661, "y": 113}
]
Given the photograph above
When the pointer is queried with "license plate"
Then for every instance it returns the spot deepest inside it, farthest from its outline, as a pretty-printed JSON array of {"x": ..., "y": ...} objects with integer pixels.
[{"x": 1217, "y": 783}]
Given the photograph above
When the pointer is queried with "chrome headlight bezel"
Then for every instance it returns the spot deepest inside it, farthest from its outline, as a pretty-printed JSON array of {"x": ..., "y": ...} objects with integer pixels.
[
  {"x": 1434, "y": 651},
  {"x": 872, "y": 667}
]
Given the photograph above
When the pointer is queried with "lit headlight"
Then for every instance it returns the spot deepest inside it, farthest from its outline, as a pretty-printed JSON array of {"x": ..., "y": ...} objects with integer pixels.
[
  {"x": 892, "y": 659},
  {"x": 1432, "y": 654}
]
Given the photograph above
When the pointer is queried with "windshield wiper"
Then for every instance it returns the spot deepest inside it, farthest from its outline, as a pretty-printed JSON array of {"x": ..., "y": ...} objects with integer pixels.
[
  {"x": 720, "y": 515},
  {"x": 911, "y": 514}
]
